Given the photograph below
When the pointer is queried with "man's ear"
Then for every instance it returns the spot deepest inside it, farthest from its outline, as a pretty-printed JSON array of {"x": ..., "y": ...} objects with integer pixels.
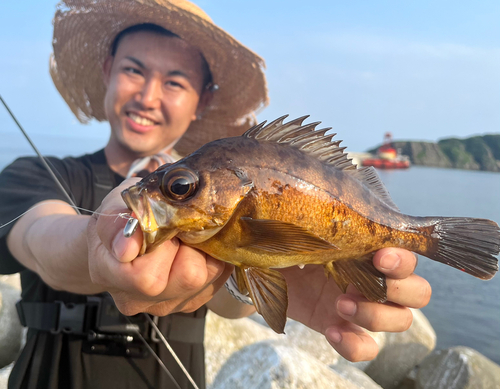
[
  {"x": 106, "y": 69},
  {"x": 205, "y": 100}
]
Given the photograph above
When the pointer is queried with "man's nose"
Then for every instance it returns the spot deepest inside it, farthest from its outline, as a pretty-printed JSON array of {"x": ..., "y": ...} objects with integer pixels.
[{"x": 151, "y": 93}]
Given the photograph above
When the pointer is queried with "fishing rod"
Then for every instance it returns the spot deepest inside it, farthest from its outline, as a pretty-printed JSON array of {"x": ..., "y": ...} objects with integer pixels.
[{"x": 129, "y": 229}]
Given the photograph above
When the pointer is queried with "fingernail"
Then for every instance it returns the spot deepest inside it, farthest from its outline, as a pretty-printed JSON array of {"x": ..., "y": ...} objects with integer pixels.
[
  {"x": 333, "y": 335},
  {"x": 390, "y": 261},
  {"x": 119, "y": 246},
  {"x": 346, "y": 307}
]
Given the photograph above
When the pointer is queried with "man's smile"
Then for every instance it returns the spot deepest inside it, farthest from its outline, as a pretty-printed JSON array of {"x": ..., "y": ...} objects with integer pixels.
[{"x": 140, "y": 123}]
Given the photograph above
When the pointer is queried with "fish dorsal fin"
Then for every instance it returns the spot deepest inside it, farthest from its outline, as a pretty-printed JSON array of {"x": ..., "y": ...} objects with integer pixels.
[
  {"x": 368, "y": 175},
  {"x": 318, "y": 144}
]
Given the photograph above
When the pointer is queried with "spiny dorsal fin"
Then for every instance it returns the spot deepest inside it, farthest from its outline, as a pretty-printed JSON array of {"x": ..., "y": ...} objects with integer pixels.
[
  {"x": 319, "y": 145},
  {"x": 368, "y": 175}
]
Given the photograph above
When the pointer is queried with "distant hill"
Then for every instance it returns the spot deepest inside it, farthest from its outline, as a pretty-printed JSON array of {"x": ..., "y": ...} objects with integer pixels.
[{"x": 474, "y": 153}]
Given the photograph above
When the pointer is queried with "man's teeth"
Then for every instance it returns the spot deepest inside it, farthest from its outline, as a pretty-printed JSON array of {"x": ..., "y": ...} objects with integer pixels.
[{"x": 140, "y": 120}]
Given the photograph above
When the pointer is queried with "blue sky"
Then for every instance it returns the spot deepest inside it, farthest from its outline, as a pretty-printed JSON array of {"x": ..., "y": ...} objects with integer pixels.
[{"x": 423, "y": 70}]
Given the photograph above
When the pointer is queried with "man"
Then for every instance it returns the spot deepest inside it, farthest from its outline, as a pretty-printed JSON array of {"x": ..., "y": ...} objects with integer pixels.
[{"x": 160, "y": 64}]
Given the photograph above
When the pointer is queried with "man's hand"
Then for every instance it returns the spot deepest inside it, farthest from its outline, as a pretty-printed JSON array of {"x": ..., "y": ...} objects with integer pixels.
[
  {"x": 319, "y": 304},
  {"x": 172, "y": 278}
]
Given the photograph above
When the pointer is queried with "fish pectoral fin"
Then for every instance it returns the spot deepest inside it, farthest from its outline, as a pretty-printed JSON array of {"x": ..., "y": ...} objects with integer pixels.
[
  {"x": 268, "y": 292},
  {"x": 362, "y": 274},
  {"x": 275, "y": 236}
]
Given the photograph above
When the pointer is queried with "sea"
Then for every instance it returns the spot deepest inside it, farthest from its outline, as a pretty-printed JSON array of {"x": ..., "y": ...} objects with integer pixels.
[{"x": 463, "y": 310}]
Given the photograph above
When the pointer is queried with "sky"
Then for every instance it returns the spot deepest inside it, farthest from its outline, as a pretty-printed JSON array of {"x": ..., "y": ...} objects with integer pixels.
[{"x": 423, "y": 70}]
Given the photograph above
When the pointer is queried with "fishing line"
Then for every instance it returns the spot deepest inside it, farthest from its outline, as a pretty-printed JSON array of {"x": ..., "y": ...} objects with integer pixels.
[
  {"x": 123, "y": 215},
  {"x": 56, "y": 180},
  {"x": 77, "y": 209},
  {"x": 158, "y": 359},
  {"x": 169, "y": 348}
]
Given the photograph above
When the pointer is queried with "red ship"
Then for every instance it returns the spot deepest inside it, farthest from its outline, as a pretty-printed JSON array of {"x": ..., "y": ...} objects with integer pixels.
[{"x": 387, "y": 156}]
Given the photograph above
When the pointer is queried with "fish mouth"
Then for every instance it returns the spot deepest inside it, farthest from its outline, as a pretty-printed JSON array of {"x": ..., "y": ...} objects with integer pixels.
[{"x": 146, "y": 211}]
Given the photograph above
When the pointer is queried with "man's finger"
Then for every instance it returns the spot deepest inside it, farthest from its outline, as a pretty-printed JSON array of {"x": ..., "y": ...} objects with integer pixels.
[
  {"x": 375, "y": 317},
  {"x": 413, "y": 291},
  {"x": 395, "y": 263},
  {"x": 352, "y": 342},
  {"x": 110, "y": 227}
]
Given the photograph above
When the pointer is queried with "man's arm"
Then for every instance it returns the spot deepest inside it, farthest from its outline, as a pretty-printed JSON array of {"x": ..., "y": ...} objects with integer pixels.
[
  {"x": 86, "y": 255},
  {"x": 225, "y": 305},
  {"x": 51, "y": 241}
]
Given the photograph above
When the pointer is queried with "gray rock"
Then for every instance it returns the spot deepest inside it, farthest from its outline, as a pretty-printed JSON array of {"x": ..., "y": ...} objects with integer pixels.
[
  {"x": 402, "y": 352},
  {"x": 4, "y": 375},
  {"x": 310, "y": 341},
  {"x": 13, "y": 280},
  {"x": 273, "y": 365},
  {"x": 225, "y": 336},
  {"x": 356, "y": 376},
  {"x": 458, "y": 368},
  {"x": 10, "y": 327}
]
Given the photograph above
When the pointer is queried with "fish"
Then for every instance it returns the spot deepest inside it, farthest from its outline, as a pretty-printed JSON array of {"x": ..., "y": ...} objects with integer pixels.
[{"x": 286, "y": 194}]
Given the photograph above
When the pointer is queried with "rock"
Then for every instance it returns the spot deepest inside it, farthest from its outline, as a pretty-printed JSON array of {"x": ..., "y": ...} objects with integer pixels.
[
  {"x": 424, "y": 153},
  {"x": 402, "y": 352},
  {"x": 225, "y": 336},
  {"x": 458, "y": 368},
  {"x": 4, "y": 375},
  {"x": 10, "y": 327},
  {"x": 310, "y": 341},
  {"x": 356, "y": 376},
  {"x": 13, "y": 280},
  {"x": 458, "y": 155},
  {"x": 273, "y": 365}
]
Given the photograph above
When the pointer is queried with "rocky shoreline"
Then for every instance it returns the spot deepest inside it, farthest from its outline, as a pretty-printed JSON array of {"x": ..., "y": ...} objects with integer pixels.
[
  {"x": 474, "y": 153},
  {"x": 246, "y": 354}
]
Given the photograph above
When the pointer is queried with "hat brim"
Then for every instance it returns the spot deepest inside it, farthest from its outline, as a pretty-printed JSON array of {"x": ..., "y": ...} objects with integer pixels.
[{"x": 84, "y": 32}]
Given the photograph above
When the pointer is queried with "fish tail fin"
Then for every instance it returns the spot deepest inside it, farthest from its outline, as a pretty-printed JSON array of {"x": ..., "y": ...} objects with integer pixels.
[
  {"x": 362, "y": 274},
  {"x": 467, "y": 244}
]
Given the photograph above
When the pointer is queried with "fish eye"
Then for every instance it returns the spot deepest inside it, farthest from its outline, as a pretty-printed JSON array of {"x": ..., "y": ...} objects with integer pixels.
[{"x": 179, "y": 184}]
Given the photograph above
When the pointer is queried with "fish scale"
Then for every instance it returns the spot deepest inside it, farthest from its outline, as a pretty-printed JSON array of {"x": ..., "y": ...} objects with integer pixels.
[{"x": 286, "y": 194}]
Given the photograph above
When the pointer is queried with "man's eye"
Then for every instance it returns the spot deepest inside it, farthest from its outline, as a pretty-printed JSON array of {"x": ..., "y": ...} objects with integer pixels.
[
  {"x": 132, "y": 70},
  {"x": 173, "y": 84}
]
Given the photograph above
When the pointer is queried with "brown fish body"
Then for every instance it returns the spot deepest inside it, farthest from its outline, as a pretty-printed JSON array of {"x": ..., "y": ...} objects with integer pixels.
[{"x": 285, "y": 195}]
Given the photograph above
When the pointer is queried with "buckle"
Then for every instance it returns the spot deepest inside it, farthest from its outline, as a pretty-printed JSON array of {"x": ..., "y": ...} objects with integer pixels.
[
  {"x": 109, "y": 319},
  {"x": 71, "y": 318}
]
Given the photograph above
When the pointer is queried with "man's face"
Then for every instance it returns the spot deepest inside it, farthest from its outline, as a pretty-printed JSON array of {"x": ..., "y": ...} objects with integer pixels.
[{"x": 154, "y": 84}]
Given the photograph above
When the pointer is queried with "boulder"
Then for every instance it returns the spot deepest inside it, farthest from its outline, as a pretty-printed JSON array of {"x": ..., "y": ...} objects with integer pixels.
[
  {"x": 402, "y": 352},
  {"x": 225, "y": 336},
  {"x": 13, "y": 280},
  {"x": 11, "y": 330},
  {"x": 310, "y": 341},
  {"x": 4, "y": 375},
  {"x": 458, "y": 368},
  {"x": 274, "y": 365},
  {"x": 355, "y": 376}
]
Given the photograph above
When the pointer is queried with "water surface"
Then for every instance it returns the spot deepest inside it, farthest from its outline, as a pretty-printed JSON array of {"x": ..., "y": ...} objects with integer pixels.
[{"x": 463, "y": 310}]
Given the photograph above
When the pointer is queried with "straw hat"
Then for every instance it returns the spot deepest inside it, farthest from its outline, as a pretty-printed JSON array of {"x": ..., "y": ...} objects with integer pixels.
[{"x": 85, "y": 29}]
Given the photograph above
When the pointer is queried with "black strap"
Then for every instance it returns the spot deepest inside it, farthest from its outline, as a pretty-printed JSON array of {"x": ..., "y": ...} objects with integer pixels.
[{"x": 55, "y": 317}]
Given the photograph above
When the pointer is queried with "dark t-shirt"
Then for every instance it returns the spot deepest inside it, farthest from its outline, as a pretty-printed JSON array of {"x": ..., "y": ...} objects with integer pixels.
[{"x": 56, "y": 360}]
